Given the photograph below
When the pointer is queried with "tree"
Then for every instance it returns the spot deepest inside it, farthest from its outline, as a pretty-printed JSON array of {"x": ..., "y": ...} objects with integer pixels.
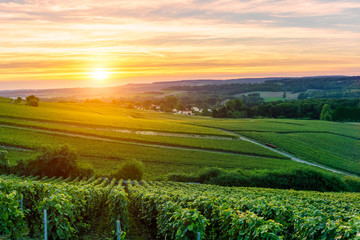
[
  {"x": 206, "y": 112},
  {"x": 221, "y": 113},
  {"x": 171, "y": 102},
  {"x": 211, "y": 100},
  {"x": 231, "y": 109},
  {"x": 326, "y": 113},
  {"x": 18, "y": 100},
  {"x": 284, "y": 95},
  {"x": 346, "y": 114},
  {"x": 58, "y": 162},
  {"x": 147, "y": 103},
  {"x": 28, "y": 98},
  {"x": 32, "y": 101},
  {"x": 302, "y": 96},
  {"x": 180, "y": 106},
  {"x": 4, "y": 162},
  {"x": 131, "y": 169},
  {"x": 234, "y": 105}
]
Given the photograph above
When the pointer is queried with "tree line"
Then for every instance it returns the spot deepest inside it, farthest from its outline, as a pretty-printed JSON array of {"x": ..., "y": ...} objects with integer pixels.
[
  {"x": 30, "y": 100},
  {"x": 294, "y": 85},
  {"x": 324, "y": 109}
]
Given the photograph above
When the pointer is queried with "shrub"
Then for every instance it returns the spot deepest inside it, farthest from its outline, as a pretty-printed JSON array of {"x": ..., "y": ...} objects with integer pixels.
[
  {"x": 209, "y": 173},
  {"x": 58, "y": 162},
  {"x": 31, "y": 97},
  {"x": 18, "y": 100},
  {"x": 4, "y": 162},
  {"x": 231, "y": 179},
  {"x": 82, "y": 172},
  {"x": 19, "y": 168},
  {"x": 299, "y": 179},
  {"x": 130, "y": 169},
  {"x": 183, "y": 177},
  {"x": 353, "y": 183},
  {"x": 33, "y": 103},
  {"x": 204, "y": 176}
]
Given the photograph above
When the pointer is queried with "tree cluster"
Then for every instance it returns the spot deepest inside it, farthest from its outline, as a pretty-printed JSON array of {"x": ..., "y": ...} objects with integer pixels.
[
  {"x": 324, "y": 109},
  {"x": 294, "y": 85}
]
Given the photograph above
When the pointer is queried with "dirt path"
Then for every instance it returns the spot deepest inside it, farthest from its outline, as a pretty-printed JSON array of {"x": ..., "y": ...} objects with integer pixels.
[
  {"x": 292, "y": 157},
  {"x": 2, "y": 147}
]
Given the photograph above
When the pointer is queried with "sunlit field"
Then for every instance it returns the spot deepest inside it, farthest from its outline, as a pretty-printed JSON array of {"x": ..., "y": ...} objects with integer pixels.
[
  {"x": 330, "y": 143},
  {"x": 165, "y": 144},
  {"x": 104, "y": 135}
]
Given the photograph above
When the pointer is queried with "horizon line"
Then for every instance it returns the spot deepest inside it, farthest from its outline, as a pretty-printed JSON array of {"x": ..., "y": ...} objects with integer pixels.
[{"x": 169, "y": 81}]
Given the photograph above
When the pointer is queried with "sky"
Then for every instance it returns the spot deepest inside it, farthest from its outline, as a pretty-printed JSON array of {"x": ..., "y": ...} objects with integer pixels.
[{"x": 77, "y": 43}]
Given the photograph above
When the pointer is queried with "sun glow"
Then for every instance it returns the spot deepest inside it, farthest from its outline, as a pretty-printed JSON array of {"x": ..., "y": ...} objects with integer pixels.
[{"x": 99, "y": 74}]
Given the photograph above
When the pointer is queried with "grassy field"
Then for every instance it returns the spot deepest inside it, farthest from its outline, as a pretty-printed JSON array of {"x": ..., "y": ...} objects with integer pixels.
[
  {"x": 104, "y": 135},
  {"x": 329, "y": 143},
  {"x": 273, "y": 96},
  {"x": 96, "y": 115},
  {"x": 105, "y": 156},
  {"x": 221, "y": 143}
]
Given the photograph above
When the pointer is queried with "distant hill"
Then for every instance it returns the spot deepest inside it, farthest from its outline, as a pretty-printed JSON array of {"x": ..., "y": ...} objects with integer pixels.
[
  {"x": 339, "y": 86},
  {"x": 202, "y": 82},
  {"x": 128, "y": 88},
  {"x": 187, "y": 85}
]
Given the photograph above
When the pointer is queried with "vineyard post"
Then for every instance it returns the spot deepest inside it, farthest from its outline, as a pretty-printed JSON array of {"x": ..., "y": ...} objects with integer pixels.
[
  {"x": 21, "y": 207},
  {"x": 118, "y": 229},
  {"x": 198, "y": 236},
  {"x": 45, "y": 226}
]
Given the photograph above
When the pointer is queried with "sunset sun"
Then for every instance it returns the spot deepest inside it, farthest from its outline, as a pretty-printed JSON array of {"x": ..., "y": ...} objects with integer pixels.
[{"x": 99, "y": 74}]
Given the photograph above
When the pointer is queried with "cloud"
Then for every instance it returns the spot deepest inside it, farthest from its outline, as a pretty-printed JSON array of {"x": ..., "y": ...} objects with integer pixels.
[
  {"x": 56, "y": 39},
  {"x": 286, "y": 7}
]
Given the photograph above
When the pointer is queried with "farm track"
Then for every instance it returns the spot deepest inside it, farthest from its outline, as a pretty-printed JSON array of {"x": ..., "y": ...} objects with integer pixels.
[
  {"x": 132, "y": 142},
  {"x": 292, "y": 157},
  {"x": 14, "y": 148}
]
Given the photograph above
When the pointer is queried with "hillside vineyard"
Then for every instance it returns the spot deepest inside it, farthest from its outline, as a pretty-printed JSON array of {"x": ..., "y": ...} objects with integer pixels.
[{"x": 176, "y": 210}]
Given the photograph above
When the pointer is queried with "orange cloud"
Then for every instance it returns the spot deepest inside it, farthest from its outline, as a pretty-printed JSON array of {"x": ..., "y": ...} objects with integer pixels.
[{"x": 151, "y": 40}]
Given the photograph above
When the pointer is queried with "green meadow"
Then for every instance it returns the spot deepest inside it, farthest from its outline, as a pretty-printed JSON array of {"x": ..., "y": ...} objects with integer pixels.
[
  {"x": 333, "y": 144},
  {"x": 105, "y": 135}
]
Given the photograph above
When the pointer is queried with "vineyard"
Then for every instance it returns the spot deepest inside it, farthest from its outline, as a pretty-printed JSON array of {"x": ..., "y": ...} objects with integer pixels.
[
  {"x": 72, "y": 206},
  {"x": 106, "y": 135},
  {"x": 175, "y": 210},
  {"x": 178, "y": 148},
  {"x": 333, "y": 144},
  {"x": 182, "y": 210}
]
